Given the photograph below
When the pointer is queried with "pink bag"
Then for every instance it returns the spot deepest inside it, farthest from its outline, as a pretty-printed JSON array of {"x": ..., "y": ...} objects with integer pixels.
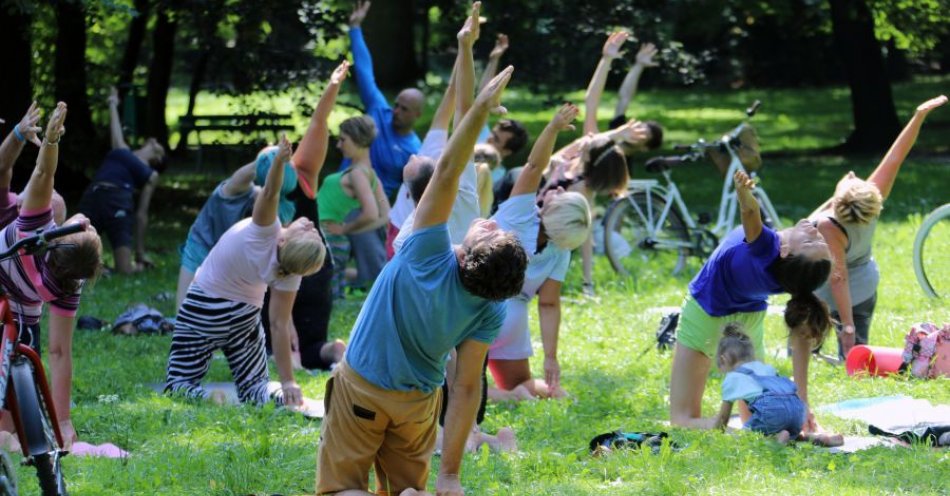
[{"x": 927, "y": 350}]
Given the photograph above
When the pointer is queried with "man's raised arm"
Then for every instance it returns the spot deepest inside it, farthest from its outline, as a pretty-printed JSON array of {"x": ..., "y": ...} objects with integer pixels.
[
  {"x": 363, "y": 61},
  {"x": 437, "y": 201}
]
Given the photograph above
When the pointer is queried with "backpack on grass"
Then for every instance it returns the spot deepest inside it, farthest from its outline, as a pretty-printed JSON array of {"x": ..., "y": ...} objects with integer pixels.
[{"x": 927, "y": 350}]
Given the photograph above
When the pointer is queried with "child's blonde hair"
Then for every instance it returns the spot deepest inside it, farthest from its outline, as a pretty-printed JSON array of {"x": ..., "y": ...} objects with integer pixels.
[
  {"x": 301, "y": 255},
  {"x": 735, "y": 347},
  {"x": 859, "y": 203},
  {"x": 566, "y": 219}
]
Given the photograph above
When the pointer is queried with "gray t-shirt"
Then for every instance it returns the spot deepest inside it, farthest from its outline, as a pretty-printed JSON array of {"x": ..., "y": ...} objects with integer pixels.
[{"x": 863, "y": 275}]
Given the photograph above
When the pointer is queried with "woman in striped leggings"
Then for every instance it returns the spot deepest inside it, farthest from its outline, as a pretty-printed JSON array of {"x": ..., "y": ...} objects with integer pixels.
[{"x": 223, "y": 305}]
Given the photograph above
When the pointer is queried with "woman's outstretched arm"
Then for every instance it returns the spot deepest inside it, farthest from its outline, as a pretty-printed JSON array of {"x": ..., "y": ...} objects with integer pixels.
[
  {"x": 265, "y": 205},
  {"x": 39, "y": 190},
  {"x": 595, "y": 89},
  {"x": 311, "y": 152},
  {"x": 883, "y": 177}
]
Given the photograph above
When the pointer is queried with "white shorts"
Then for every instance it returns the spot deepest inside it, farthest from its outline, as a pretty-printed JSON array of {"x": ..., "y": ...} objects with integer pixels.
[{"x": 514, "y": 339}]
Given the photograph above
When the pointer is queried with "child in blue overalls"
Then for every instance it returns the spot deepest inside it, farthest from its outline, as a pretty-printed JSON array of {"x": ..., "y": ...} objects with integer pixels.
[{"x": 773, "y": 400}]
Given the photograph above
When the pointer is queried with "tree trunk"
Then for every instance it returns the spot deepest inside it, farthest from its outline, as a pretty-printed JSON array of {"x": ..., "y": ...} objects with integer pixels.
[
  {"x": 130, "y": 58},
  {"x": 872, "y": 104},
  {"x": 16, "y": 89},
  {"x": 159, "y": 76},
  {"x": 81, "y": 147},
  {"x": 389, "y": 34},
  {"x": 197, "y": 78}
]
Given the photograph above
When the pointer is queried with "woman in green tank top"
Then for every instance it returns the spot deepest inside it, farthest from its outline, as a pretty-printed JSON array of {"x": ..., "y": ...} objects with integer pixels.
[{"x": 344, "y": 191}]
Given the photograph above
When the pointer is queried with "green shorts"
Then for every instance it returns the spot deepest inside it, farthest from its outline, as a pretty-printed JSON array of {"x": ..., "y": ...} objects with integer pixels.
[{"x": 701, "y": 332}]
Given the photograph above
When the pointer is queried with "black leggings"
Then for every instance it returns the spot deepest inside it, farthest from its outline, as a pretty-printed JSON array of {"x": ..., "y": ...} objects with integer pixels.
[
  {"x": 311, "y": 316},
  {"x": 481, "y": 406}
]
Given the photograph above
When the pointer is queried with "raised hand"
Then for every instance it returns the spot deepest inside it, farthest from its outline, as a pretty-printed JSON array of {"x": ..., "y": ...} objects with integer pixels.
[
  {"x": 931, "y": 104},
  {"x": 501, "y": 46},
  {"x": 284, "y": 150},
  {"x": 645, "y": 55},
  {"x": 340, "y": 73},
  {"x": 359, "y": 13},
  {"x": 29, "y": 124},
  {"x": 633, "y": 132},
  {"x": 490, "y": 95},
  {"x": 564, "y": 117},
  {"x": 113, "y": 99},
  {"x": 614, "y": 43},
  {"x": 55, "y": 128},
  {"x": 470, "y": 30}
]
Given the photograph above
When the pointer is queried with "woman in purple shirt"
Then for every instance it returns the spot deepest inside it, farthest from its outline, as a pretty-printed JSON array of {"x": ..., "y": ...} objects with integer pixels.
[{"x": 750, "y": 264}]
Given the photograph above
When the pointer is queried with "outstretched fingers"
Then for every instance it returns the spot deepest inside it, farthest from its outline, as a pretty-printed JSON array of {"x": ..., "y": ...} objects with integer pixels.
[
  {"x": 340, "y": 73},
  {"x": 55, "y": 128},
  {"x": 932, "y": 103},
  {"x": 491, "y": 94},
  {"x": 564, "y": 118},
  {"x": 29, "y": 125}
]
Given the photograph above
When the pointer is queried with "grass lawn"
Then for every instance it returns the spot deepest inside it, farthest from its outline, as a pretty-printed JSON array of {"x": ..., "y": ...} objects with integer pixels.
[{"x": 181, "y": 448}]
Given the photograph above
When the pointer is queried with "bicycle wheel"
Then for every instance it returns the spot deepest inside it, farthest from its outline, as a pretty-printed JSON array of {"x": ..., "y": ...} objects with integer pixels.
[
  {"x": 7, "y": 476},
  {"x": 931, "y": 263},
  {"x": 634, "y": 242},
  {"x": 38, "y": 429}
]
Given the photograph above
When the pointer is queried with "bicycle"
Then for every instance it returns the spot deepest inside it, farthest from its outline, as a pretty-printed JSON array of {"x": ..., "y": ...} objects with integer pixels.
[
  {"x": 931, "y": 263},
  {"x": 25, "y": 391},
  {"x": 652, "y": 224}
]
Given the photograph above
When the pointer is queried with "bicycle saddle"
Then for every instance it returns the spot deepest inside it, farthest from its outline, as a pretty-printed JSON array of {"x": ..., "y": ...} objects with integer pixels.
[{"x": 660, "y": 164}]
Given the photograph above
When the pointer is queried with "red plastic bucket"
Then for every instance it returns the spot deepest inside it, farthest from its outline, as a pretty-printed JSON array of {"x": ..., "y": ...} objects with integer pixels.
[{"x": 874, "y": 360}]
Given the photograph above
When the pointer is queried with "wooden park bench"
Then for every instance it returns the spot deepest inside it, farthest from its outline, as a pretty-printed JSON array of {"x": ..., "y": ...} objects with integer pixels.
[{"x": 247, "y": 125}]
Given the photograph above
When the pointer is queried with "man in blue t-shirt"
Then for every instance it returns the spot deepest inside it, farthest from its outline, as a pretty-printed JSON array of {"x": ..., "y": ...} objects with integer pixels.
[
  {"x": 108, "y": 202},
  {"x": 395, "y": 139},
  {"x": 383, "y": 400}
]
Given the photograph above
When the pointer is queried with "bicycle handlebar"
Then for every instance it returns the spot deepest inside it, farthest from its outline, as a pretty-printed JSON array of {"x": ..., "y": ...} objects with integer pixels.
[
  {"x": 754, "y": 108},
  {"x": 40, "y": 240}
]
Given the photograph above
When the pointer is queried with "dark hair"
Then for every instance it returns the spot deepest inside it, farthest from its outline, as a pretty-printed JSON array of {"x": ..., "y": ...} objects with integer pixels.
[
  {"x": 800, "y": 277},
  {"x": 606, "y": 167},
  {"x": 494, "y": 270},
  {"x": 519, "y": 135},
  {"x": 656, "y": 135},
  {"x": 734, "y": 346},
  {"x": 74, "y": 258},
  {"x": 417, "y": 185}
]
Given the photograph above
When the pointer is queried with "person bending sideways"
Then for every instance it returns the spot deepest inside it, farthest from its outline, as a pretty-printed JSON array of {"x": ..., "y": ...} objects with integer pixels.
[
  {"x": 383, "y": 400},
  {"x": 847, "y": 221},
  {"x": 56, "y": 277},
  {"x": 109, "y": 202},
  {"x": 550, "y": 233},
  {"x": 752, "y": 263},
  {"x": 223, "y": 305}
]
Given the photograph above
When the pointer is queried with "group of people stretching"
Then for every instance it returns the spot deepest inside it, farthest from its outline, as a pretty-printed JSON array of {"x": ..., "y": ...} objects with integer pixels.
[{"x": 452, "y": 301}]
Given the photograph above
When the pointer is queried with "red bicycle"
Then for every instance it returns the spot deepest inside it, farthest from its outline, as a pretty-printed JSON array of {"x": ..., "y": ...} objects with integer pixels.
[{"x": 25, "y": 390}]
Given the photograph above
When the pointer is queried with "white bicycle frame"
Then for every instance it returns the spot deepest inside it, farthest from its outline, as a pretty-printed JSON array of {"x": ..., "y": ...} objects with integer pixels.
[{"x": 669, "y": 193}]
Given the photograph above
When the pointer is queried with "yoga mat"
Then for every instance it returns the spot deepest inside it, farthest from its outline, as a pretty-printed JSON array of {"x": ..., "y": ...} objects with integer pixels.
[{"x": 891, "y": 413}]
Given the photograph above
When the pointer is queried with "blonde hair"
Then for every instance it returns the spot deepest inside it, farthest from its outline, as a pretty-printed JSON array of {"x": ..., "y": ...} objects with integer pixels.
[
  {"x": 860, "y": 203},
  {"x": 361, "y": 129},
  {"x": 301, "y": 255},
  {"x": 487, "y": 154},
  {"x": 566, "y": 219}
]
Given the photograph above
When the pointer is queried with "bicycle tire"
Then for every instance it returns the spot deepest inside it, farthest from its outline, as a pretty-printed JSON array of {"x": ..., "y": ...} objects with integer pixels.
[
  {"x": 931, "y": 229},
  {"x": 625, "y": 231},
  {"x": 7, "y": 476},
  {"x": 38, "y": 428}
]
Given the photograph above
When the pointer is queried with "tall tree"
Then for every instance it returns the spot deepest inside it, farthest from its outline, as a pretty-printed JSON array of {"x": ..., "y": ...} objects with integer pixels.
[
  {"x": 872, "y": 104},
  {"x": 160, "y": 72},
  {"x": 389, "y": 29},
  {"x": 69, "y": 73},
  {"x": 16, "y": 89},
  {"x": 133, "y": 46}
]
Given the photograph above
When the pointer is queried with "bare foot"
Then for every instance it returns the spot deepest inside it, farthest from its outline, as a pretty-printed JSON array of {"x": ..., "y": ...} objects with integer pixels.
[
  {"x": 521, "y": 393},
  {"x": 9, "y": 442},
  {"x": 783, "y": 437},
  {"x": 504, "y": 440},
  {"x": 476, "y": 438},
  {"x": 827, "y": 440},
  {"x": 332, "y": 352}
]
